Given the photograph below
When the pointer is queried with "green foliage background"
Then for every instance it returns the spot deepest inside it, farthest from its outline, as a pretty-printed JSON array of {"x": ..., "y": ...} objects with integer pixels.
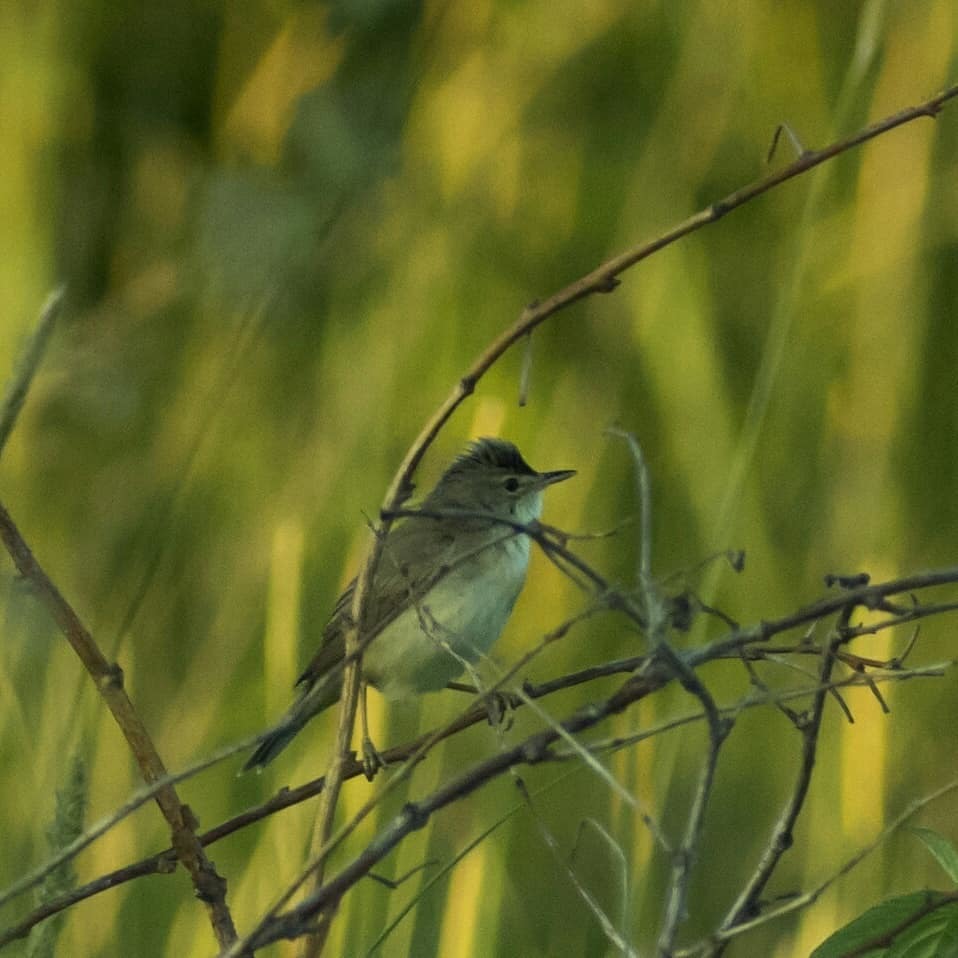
[{"x": 286, "y": 229}]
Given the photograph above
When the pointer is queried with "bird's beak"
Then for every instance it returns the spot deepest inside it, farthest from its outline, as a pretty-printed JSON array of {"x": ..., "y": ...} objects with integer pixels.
[{"x": 548, "y": 478}]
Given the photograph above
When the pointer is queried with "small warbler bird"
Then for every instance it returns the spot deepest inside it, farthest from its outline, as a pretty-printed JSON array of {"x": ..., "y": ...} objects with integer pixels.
[{"x": 444, "y": 587}]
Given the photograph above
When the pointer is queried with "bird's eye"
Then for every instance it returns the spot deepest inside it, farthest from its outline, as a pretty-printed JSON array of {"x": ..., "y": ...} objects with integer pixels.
[{"x": 511, "y": 484}]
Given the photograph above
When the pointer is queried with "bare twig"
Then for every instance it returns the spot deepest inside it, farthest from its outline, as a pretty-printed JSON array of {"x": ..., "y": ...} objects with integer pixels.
[
  {"x": 587, "y": 756},
  {"x": 655, "y": 619},
  {"x": 722, "y": 937},
  {"x": 438, "y": 876},
  {"x": 867, "y": 597},
  {"x": 730, "y": 646},
  {"x": 533, "y": 750},
  {"x": 424, "y": 745},
  {"x": 592, "y": 903},
  {"x": 644, "y": 492},
  {"x": 165, "y": 862},
  {"x": 684, "y": 858},
  {"x": 777, "y": 699},
  {"x": 747, "y": 904},
  {"x": 411, "y": 752},
  {"x": 27, "y": 364},
  {"x": 526, "y": 374},
  {"x": 108, "y": 678}
]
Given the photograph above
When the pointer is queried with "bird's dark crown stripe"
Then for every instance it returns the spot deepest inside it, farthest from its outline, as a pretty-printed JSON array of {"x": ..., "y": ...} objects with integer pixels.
[{"x": 496, "y": 453}]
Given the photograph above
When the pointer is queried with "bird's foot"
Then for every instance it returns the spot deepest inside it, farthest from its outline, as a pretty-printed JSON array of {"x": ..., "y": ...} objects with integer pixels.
[
  {"x": 372, "y": 759},
  {"x": 500, "y": 708}
]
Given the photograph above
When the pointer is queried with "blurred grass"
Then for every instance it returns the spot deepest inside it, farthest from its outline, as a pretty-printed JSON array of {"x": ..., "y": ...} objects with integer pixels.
[{"x": 285, "y": 230}]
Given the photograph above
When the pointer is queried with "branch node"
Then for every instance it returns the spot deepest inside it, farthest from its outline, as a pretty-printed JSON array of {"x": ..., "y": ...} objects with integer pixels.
[
  {"x": 534, "y": 751},
  {"x": 112, "y": 678},
  {"x": 413, "y": 816},
  {"x": 212, "y": 888},
  {"x": 854, "y": 581}
]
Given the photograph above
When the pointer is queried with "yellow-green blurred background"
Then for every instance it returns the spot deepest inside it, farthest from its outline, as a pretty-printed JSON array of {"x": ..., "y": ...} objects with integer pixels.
[{"x": 285, "y": 230}]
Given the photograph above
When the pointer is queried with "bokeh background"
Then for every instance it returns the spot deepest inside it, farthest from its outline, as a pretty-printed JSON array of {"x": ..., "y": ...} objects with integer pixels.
[{"x": 285, "y": 229}]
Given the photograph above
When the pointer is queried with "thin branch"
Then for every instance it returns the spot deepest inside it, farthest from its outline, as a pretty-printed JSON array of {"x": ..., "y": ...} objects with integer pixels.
[
  {"x": 684, "y": 858},
  {"x": 318, "y": 855},
  {"x": 591, "y": 902},
  {"x": 722, "y": 937},
  {"x": 165, "y": 862},
  {"x": 913, "y": 614},
  {"x": 28, "y": 363},
  {"x": 866, "y": 596},
  {"x": 644, "y": 492},
  {"x": 438, "y": 876},
  {"x": 285, "y": 798},
  {"x": 587, "y": 756},
  {"x": 719, "y": 728},
  {"x": 748, "y": 903},
  {"x": 655, "y": 618},
  {"x": 729, "y": 646},
  {"x": 777, "y": 699},
  {"x": 549, "y": 538},
  {"x": 533, "y": 750},
  {"x": 108, "y": 678}
]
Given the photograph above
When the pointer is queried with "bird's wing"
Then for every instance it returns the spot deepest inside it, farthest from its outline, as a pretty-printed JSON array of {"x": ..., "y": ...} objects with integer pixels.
[
  {"x": 332, "y": 650},
  {"x": 397, "y": 585}
]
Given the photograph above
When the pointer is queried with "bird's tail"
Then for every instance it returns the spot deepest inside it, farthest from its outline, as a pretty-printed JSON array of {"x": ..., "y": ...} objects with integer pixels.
[{"x": 313, "y": 699}]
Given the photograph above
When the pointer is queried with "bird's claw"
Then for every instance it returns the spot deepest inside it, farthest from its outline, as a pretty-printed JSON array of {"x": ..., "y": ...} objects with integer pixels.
[
  {"x": 500, "y": 708},
  {"x": 372, "y": 759}
]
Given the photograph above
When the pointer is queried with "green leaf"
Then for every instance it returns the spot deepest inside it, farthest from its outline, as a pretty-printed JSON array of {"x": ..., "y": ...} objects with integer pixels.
[
  {"x": 945, "y": 853},
  {"x": 877, "y": 924},
  {"x": 934, "y": 936}
]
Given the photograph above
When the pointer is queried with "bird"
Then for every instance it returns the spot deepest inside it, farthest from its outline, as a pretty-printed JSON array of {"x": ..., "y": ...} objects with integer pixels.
[{"x": 445, "y": 585}]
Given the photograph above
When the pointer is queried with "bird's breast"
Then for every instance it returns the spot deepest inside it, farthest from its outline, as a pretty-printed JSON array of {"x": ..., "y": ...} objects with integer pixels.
[{"x": 455, "y": 623}]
